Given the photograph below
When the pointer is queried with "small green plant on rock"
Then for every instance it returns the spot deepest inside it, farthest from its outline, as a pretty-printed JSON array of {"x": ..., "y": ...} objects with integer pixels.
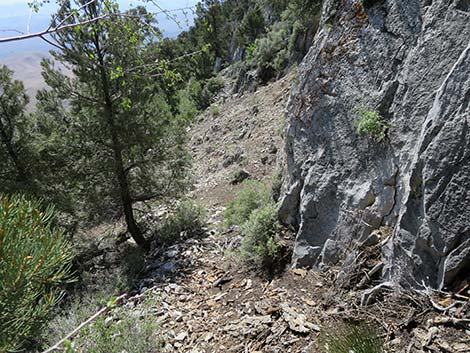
[
  {"x": 215, "y": 110},
  {"x": 372, "y": 124},
  {"x": 351, "y": 337}
]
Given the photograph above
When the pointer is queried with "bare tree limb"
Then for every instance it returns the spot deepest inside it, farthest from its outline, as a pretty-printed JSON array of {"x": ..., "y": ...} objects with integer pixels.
[
  {"x": 149, "y": 197},
  {"x": 167, "y": 13},
  {"x": 61, "y": 25},
  {"x": 52, "y": 30},
  {"x": 102, "y": 311},
  {"x": 71, "y": 14},
  {"x": 11, "y": 30},
  {"x": 51, "y": 43},
  {"x": 146, "y": 197}
]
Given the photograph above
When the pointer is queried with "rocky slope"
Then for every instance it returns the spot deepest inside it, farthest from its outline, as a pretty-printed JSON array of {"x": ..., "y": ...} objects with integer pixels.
[
  {"x": 207, "y": 301},
  {"x": 408, "y": 60},
  {"x": 203, "y": 300},
  {"x": 239, "y": 133}
]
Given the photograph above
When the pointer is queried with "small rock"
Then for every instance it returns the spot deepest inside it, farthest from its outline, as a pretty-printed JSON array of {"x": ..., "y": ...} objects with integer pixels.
[
  {"x": 137, "y": 314},
  {"x": 108, "y": 321},
  {"x": 240, "y": 176},
  {"x": 208, "y": 336},
  {"x": 181, "y": 336},
  {"x": 369, "y": 295},
  {"x": 242, "y": 134},
  {"x": 302, "y": 272},
  {"x": 297, "y": 322},
  {"x": 176, "y": 315},
  {"x": 230, "y": 159},
  {"x": 461, "y": 347},
  {"x": 171, "y": 253},
  {"x": 372, "y": 239}
]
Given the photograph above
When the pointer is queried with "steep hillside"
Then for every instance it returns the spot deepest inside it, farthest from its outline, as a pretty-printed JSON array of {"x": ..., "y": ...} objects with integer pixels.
[
  {"x": 237, "y": 134},
  {"x": 202, "y": 299},
  {"x": 326, "y": 208}
]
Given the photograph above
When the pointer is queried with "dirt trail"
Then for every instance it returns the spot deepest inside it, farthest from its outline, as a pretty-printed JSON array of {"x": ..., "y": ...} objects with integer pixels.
[{"x": 208, "y": 302}]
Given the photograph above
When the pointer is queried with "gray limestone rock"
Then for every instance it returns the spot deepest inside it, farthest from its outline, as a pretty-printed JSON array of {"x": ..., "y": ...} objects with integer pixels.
[{"x": 408, "y": 60}]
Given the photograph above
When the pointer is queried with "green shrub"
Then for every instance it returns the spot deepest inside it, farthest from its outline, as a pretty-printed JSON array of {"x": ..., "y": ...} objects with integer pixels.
[
  {"x": 372, "y": 124},
  {"x": 215, "y": 110},
  {"x": 277, "y": 180},
  {"x": 188, "y": 220},
  {"x": 269, "y": 54},
  {"x": 126, "y": 334},
  {"x": 187, "y": 108},
  {"x": 252, "y": 25},
  {"x": 260, "y": 244},
  {"x": 281, "y": 60},
  {"x": 250, "y": 50},
  {"x": 211, "y": 87},
  {"x": 201, "y": 93},
  {"x": 35, "y": 258},
  {"x": 94, "y": 290},
  {"x": 77, "y": 311},
  {"x": 253, "y": 195},
  {"x": 351, "y": 337}
]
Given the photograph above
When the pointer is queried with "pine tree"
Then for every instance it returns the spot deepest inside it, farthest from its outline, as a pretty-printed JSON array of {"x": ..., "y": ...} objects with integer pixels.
[
  {"x": 122, "y": 141},
  {"x": 13, "y": 100}
]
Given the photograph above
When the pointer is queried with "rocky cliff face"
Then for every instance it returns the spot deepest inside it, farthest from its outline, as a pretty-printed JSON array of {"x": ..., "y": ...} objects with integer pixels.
[{"x": 408, "y": 60}]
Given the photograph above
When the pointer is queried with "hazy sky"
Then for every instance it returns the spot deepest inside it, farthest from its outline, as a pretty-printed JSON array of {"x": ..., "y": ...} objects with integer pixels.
[
  {"x": 13, "y": 8},
  {"x": 14, "y": 15}
]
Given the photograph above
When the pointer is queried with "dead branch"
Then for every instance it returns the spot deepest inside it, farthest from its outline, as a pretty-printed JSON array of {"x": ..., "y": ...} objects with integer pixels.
[
  {"x": 71, "y": 14},
  {"x": 52, "y": 30},
  {"x": 442, "y": 308},
  {"x": 83, "y": 324},
  {"x": 61, "y": 26},
  {"x": 167, "y": 13},
  {"x": 451, "y": 321}
]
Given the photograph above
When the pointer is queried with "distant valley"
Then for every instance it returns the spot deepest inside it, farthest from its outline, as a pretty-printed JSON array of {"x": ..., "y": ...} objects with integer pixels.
[
  {"x": 24, "y": 57},
  {"x": 27, "y": 68}
]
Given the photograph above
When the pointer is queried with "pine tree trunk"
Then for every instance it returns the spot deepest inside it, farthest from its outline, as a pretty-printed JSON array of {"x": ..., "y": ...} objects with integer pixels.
[
  {"x": 126, "y": 200},
  {"x": 119, "y": 170}
]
